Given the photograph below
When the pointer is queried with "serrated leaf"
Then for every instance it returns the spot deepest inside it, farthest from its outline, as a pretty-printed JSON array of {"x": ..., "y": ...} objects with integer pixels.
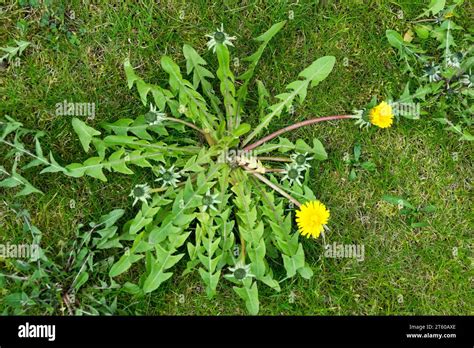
[
  {"x": 111, "y": 218},
  {"x": 27, "y": 190},
  {"x": 157, "y": 276},
  {"x": 422, "y": 31},
  {"x": 22, "y": 45},
  {"x": 84, "y": 132},
  {"x": 242, "y": 129},
  {"x": 294, "y": 263},
  {"x": 313, "y": 74},
  {"x": 319, "y": 70},
  {"x": 434, "y": 8},
  {"x": 306, "y": 272},
  {"x": 119, "y": 166},
  {"x": 394, "y": 38},
  {"x": 54, "y": 167},
  {"x": 94, "y": 168},
  {"x": 129, "y": 73},
  {"x": 123, "y": 264},
  {"x": 249, "y": 293},
  {"x": 143, "y": 88},
  {"x": 140, "y": 221},
  {"x": 10, "y": 182}
]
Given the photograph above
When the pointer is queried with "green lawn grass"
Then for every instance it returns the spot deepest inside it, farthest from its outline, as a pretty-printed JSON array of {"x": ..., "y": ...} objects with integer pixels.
[{"x": 405, "y": 270}]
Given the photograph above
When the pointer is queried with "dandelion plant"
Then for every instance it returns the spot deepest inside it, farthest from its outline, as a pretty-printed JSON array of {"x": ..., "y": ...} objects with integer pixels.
[{"x": 221, "y": 195}]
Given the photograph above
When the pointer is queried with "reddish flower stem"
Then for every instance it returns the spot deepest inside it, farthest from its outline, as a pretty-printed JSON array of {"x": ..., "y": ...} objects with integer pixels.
[{"x": 293, "y": 127}]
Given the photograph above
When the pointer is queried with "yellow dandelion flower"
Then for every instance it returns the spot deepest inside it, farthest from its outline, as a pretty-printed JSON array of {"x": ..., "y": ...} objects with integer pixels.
[
  {"x": 311, "y": 218},
  {"x": 382, "y": 115}
]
